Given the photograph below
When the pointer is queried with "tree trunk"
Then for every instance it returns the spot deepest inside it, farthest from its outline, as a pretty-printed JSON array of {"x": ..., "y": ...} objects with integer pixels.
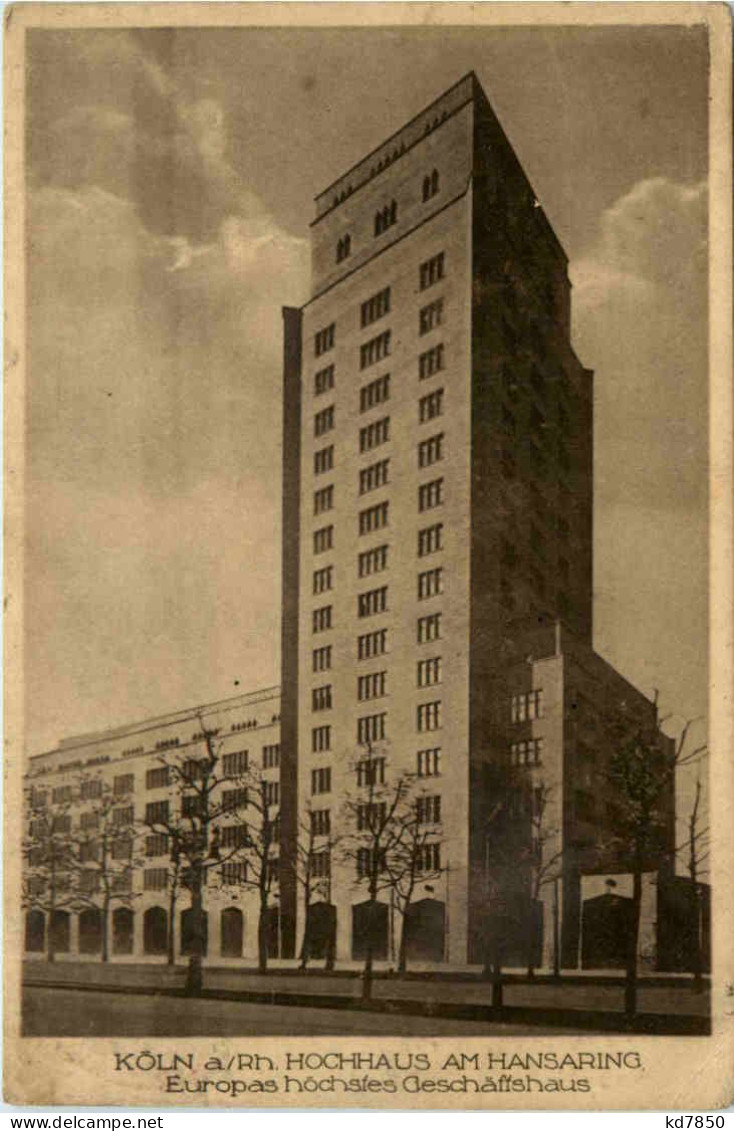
[
  {"x": 105, "y": 930},
  {"x": 556, "y": 932},
  {"x": 194, "y": 975},
  {"x": 630, "y": 988},
  {"x": 262, "y": 934},
  {"x": 403, "y": 948},
  {"x": 697, "y": 945},
  {"x": 171, "y": 940}
]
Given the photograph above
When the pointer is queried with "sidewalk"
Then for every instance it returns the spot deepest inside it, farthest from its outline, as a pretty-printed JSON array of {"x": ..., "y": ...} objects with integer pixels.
[{"x": 662, "y": 1007}]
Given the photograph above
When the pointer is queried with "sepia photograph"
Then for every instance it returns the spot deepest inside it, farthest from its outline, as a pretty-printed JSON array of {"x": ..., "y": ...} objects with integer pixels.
[{"x": 362, "y": 557}]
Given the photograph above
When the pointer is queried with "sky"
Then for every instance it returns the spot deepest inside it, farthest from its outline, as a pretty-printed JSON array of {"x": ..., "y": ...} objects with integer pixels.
[{"x": 170, "y": 181}]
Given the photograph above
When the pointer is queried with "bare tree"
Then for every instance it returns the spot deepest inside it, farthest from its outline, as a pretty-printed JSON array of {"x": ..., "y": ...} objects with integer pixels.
[
  {"x": 47, "y": 851},
  {"x": 414, "y": 859},
  {"x": 310, "y": 861},
  {"x": 695, "y": 852}
]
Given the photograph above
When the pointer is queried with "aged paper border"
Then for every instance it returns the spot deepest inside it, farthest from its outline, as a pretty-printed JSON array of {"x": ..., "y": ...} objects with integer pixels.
[{"x": 677, "y": 1073}]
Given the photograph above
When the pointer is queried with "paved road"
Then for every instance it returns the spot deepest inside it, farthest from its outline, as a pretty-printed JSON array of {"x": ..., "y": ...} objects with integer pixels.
[{"x": 90, "y": 1013}]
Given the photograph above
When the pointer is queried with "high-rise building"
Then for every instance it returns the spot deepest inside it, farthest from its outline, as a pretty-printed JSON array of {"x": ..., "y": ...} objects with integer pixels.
[{"x": 437, "y": 498}]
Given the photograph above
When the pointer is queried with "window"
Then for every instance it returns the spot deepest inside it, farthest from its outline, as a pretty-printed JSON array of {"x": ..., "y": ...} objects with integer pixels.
[
  {"x": 320, "y": 865},
  {"x": 88, "y": 852},
  {"x": 89, "y": 789},
  {"x": 431, "y": 271},
  {"x": 428, "y": 858},
  {"x": 430, "y": 316},
  {"x": 373, "y": 518},
  {"x": 194, "y": 769},
  {"x": 155, "y": 879},
  {"x": 430, "y": 495},
  {"x": 123, "y": 783},
  {"x": 376, "y": 307},
  {"x": 272, "y": 793},
  {"x": 323, "y": 460},
  {"x": 38, "y": 798},
  {"x": 432, "y": 361},
  {"x": 167, "y": 743},
  {"x": 372, "y": 561},
  {"x": 372, "y": 435},
  {"x": 527, "y": 705},
  {"x": 234, "y": 836},
  {"x": 122, "y": 848},
  {"x": 371, "y": 728},
  {"x": 430, "y": 539},
  {"x": 236, "y": 763},
  {"x": 343, "y": 248},
  {"x": 371, "y": 771},
  {"x": 234, "y": 872},
  {"x": 271, "y": 756},
  {"x": 323, "y": 499},
  {"x": 430, "y": 583},
  {"x": 323, "y": 380},
  {"x": 431, "y": 406},
  {"x": 371, "y": 686},
  {"x": 323, "y": 579},
  {"x": 321, "y": 780},
  {"x": 62, "y": 823},
  {"x": 323, "y": 421},
  {"x": 368, "y": 859},
  {"x": 429, "y": 762},
  {"x": 428, "y": 810},
  {"x": 429, "y": 628},
  {"x": 430, "y": 451},
  {"x": 372, "y": 644},
  {"x": 324, "y": 339},
  {"x": 372, "y": 816},
  {"x": 526, "y": 753},
  {"x": 156, "y": 845},
  {"x": 157, "y": 778},
  {"x": 377, "y": 392},
  {"x": 376, "y": 349},
  {"x": 321, "y": 822},
  {"x": 321, "y": 659},
  {"x": 321, "y": 698},
  {"x": 322, "y": 618},
  {"x": 386, "y": 217},
  {"x": 323, "y": 539},
  {"x": 124, "y": 816},
  {"x": 374, "y": 476},
  {"x": 192, "y": 805},
  {"x": 233, "y": 799},
  {"x": 372, "y": 602},
  {"x": 320, "y": 740},
  {"x": 89, "y": 821},
  {"x": 429, "y": 715},
  {"x": 429, "y": 672},
  {"x": 430, "y": 186}
]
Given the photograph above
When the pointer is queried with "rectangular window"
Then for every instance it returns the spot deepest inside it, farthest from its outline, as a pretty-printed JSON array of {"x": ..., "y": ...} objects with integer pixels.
[
  {"x": 376, "y": 307},
  {"x": 87, "y": 821},
  {"x": 365, "y": 858},
  {"x": 371, "y": 686},
  {"x": 323, "y": 460},
  {"x": 323, "y": 579},
  {"x": 234, "y": 872},
  {"x": 323, "y": 421},
  {"x": 527, "y": 705},
  {"x": 271, "y": 756},
  {"x": 429, "y": 628},
  {"x": 62, "y": 823},
  {"x": 374, "y": 476},
  {"x": 321, "y": 780},
  {"x": 429, "y": 671},
  {"x": 430, "y": 406},
  {"x": 527, "y": 753},
  {"x": 429, "y": 858},
  {"x": 233, "y": 799},
  {"x": 431, "y": 271},
  {"x": 376, "y": 349},
  {"x": 320, "y": 865},
  {"x": 320, "y": 740},
  {"x": 323, "y": 499},
  {"x": 372, "y": 644},
  {"x": 428, "y": 810},
  {"x": 377, "y": 392},
  {"x": 371, "y": 728},
  {"x": 430, "y": 540},
  {"x": 371, "y": 771},
  {"x": 62, "y": 793},
  {"x": 321, "y": 698},
  {"x": 156, "y": 845},
  {"x": 430, "y": 583},
  {"x": 236, "y": 763},
  {"x": 322, "y": 618},
  {"x": 323, "y": 539},
  {"x": 429, "y": 716},
  {"x": 372, "y": 561},
  {"x": 430, "y": 495},
  {"x": 324, "y": 339},
  {"x": 272, "y": 793},
  {"x": 123, "y": 783},
  {"x": 192, "y": 805},
  {"x": 371, "y": 817},
  {"x": 155, "y": 879},
  {"x": 430, "y": 362},
  {"x": 373, "y": 518},
  {"x": 429, "y": 762},
  {"x": 430, "y": 316},
  {"x": 124, "y": 816},
  {"x": 430, "y": 451},
  {"x": 321, "y": 822},
  {"x": 321, "y": 659},
  {"x": 90, "y": 789},
  {"x": 122, "y": 848},
  {"x": 157, "y": 778},
  {"x": 372, "y": 435},
  {"x": 323, "y": 380},
  {"x": 234, "y": 836},
  {"x": 372, "y": 602}
]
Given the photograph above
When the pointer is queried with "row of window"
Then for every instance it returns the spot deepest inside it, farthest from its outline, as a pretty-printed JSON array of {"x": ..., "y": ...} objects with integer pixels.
[
  {"x": 372, "y": 728},
  {"x": 430, "y": 538},
  {"x": 430, "y": 362}
]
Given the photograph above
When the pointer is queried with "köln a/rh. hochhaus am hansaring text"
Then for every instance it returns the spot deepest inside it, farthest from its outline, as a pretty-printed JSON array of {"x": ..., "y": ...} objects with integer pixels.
[{"x": 439, "y": 755}]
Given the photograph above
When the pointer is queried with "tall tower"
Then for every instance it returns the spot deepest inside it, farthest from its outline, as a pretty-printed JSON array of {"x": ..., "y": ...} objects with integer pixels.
[{"x": 437, "y": 481}]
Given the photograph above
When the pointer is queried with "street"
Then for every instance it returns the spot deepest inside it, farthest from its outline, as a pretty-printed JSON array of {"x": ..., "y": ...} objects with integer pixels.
[{"x": 92, "y": 1013}]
